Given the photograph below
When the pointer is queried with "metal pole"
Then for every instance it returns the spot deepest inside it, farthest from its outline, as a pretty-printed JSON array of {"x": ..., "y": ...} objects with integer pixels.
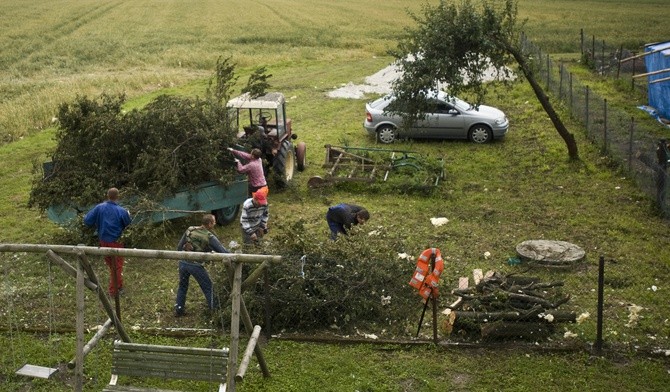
[{"x": 599, "y": 328}]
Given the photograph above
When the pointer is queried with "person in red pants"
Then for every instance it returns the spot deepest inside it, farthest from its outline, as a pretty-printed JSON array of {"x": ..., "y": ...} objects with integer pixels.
[{"x": 110, "y": 219}]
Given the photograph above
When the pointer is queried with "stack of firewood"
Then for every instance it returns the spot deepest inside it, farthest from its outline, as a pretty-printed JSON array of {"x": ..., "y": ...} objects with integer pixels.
[{"x": 506, "y": 307}]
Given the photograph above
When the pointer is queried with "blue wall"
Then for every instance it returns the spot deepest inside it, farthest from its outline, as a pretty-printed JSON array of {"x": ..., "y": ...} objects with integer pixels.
[{"x": 659, "y": 93}]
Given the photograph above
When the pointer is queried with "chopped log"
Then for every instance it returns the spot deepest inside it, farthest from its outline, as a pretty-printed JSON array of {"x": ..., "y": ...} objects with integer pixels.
[
  {"x": 477, "y": 275},
  {"x": 501, "y": 330},
  {"x": 449, "y": 321},
  {"x": 546, "y": 304}
]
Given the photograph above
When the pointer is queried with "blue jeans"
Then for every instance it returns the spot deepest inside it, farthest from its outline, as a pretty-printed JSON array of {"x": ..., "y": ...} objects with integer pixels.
[
  {"x": 186, "y": 269},
  {"x": 335, "y": 227}
]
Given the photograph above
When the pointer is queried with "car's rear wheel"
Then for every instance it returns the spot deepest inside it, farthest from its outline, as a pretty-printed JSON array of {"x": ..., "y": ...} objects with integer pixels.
[
  {"x": 480, "y": 134},
  {"x": 386, "y": 134}
]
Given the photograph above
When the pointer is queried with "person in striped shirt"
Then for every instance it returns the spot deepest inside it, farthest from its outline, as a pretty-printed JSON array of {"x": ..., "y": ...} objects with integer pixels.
[{"x": 254, "y": 218}]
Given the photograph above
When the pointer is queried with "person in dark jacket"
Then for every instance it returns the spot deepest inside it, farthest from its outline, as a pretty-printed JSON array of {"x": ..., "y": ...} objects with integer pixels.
[
  {"x": 341, "y": 217},
  {"x": 110, "y": 219},
  {"x": 197, "y": 239}
]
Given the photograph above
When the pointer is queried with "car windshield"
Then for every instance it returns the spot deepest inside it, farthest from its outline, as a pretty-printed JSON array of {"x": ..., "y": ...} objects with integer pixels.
[{"x": 460, "y": 104}]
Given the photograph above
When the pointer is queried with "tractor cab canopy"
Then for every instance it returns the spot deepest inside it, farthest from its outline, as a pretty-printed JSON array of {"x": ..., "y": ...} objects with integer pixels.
[{"x": 266, "y": 113}]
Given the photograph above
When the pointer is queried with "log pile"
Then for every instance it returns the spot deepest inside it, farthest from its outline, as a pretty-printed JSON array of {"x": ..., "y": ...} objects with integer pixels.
[{"x": 506, "y": 307}]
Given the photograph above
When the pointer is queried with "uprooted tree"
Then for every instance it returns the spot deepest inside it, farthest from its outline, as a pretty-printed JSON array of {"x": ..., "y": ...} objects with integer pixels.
[{"x": 455, "y": 45}]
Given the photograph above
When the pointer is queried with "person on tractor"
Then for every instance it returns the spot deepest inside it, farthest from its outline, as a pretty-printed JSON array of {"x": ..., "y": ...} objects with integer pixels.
[{"x": 253, "y": 169}]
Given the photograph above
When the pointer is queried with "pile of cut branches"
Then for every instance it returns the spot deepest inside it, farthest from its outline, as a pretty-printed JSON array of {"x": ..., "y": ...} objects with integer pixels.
[
  {"x": 171, "y": 144},
  {"x": 511, "y": 306}
]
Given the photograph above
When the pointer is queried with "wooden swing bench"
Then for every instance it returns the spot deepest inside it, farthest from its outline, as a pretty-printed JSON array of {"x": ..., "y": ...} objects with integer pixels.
[
  {"x": 166, "y": 362},
  {"x": 172, "y": 362}
]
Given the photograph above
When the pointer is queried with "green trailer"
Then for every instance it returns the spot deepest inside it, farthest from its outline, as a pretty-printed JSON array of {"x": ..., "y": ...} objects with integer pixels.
[{"x": 224, "y": 201}]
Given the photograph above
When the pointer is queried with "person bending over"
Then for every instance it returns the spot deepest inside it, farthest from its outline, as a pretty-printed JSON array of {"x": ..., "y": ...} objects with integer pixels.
[{"x": 341, "y": 217}]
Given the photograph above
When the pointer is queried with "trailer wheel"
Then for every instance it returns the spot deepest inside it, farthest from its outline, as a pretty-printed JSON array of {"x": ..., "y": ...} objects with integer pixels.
[
  {"x": 284, "y": 163},
  {"x": 226, "y": 215},
  {"x": 301, "y": 155}
]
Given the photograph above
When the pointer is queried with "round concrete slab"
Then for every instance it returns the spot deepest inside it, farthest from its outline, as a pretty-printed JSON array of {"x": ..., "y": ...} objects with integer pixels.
[{"x": 550, "y": 252}]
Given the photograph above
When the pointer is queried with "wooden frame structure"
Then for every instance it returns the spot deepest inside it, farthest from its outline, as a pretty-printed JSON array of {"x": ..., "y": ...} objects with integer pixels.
[{"x": 86, "y": 277}]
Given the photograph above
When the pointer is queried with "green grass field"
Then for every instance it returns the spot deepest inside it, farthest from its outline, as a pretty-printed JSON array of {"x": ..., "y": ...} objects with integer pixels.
[{"x": 495, "y": 196}]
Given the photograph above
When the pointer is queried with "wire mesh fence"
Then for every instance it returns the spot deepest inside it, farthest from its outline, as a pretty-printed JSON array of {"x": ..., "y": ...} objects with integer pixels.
[{"x": 628, "y": 143}]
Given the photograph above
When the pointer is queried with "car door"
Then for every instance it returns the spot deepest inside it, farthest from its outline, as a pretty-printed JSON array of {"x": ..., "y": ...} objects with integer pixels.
[
  {"x": 429, "y": 125},
  {"x": 449, "y": 122}
]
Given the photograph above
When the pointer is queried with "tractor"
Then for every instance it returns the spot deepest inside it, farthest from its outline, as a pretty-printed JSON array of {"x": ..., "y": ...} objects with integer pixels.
[{"x": 261, "y": 123}]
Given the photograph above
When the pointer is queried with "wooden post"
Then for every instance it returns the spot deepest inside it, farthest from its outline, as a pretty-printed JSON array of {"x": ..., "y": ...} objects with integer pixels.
[
  {"x": 79, "y": 368},
  {"x": 247, "y": 354},
  {"x": 92, "y": 284},
  {"x": 102, "y": 296},
  {"x": 246, "y": 320},
  {"x": 93, "y": 342},
  {"x": 234, "y": 326},
  {"x": 254, "y": 276}
]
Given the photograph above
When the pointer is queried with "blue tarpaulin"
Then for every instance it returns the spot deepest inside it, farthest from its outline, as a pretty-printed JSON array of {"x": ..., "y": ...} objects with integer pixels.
[{"x": 658, "y": 60}]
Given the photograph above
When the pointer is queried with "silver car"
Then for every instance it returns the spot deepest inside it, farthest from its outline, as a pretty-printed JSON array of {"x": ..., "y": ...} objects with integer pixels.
[{"x": 453, "y": 119}]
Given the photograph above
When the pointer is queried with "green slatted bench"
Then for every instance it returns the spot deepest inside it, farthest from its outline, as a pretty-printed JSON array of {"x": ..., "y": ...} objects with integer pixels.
[{"x": 166, "y": 362}]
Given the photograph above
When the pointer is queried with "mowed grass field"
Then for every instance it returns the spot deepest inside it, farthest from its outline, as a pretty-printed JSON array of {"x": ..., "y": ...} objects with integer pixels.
[
  {"x": 495, "y": 196},
  {"x": 52, "y": 50}
]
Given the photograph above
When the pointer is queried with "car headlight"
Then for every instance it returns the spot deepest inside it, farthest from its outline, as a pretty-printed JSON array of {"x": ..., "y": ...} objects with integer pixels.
[{"x": 501, "y": 120}]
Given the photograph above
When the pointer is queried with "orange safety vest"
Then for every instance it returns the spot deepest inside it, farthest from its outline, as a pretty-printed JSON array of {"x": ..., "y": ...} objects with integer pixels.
[{"x": 425, "y": 280}]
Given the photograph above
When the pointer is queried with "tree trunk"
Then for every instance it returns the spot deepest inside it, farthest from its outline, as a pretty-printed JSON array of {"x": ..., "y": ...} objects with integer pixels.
[{"x": 569, "y": 138}]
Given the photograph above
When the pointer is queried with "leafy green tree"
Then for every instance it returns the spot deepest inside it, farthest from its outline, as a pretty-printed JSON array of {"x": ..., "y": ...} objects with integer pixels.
[{"x": 454, "y": 45}]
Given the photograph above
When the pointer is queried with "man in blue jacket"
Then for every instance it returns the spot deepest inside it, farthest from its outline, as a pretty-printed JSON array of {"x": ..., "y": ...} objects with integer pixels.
[{"x": 110, "y": 219}]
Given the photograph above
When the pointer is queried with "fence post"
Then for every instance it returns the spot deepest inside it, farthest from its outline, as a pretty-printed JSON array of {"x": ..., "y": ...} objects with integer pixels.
[
  {"x": 548, "y": 73},
  {"x": 605, "y": 149},
  {"x": 663, "y": 156},
  {"x": 572, "y": 104},
  {"x": 602, "y": 59},
  {"x": 630, "y": 145},
  {"x": 560, "y": 80},
  {"x": 581, "y": 41},
  {"x": 586, "y": 111},
  {"x": 599, "y": 327},
  {"x": 618, "y": 67}
]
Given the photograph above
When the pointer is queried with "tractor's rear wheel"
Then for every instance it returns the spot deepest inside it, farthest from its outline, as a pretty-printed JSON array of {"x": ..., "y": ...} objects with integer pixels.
[
  {"x": 301, "y": 155},
  {"x": 283, "y": 164}
]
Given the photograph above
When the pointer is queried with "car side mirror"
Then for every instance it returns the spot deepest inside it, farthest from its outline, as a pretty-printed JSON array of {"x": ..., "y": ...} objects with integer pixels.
[{"x": 453, "y": 112}]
